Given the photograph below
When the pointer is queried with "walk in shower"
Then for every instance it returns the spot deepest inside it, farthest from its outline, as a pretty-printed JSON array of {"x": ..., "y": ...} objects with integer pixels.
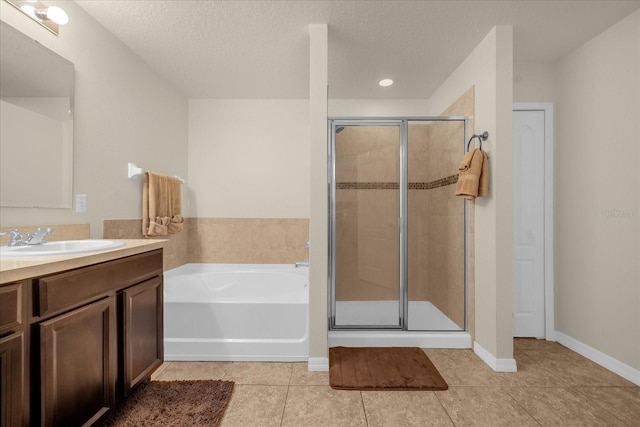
[{"x": 398, "y": 237}]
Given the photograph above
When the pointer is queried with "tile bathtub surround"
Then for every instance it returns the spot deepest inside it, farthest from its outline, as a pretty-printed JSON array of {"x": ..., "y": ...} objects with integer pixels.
[
  {"x": 248, "y": 240},
  {"x": 62, "y": 232},
  {"x": 225, "y": 240},
  {"x": 553, "y": 387}
]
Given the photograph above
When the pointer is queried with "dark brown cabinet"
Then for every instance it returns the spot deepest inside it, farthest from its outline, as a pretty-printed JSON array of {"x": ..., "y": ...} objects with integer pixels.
[
  {"x": 78, "y": 353},
  {"x": 13, "y": 355},
  {"x": 75, "y": 343},
  {"x": 142, "y": 340},
  {"x": 12, "y": 380}
]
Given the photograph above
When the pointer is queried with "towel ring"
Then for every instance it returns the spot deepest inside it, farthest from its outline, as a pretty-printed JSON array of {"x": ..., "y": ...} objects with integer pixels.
[{"x": 481, "y": 137}]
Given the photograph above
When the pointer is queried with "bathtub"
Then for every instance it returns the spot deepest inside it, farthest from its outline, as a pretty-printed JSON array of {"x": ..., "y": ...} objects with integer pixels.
[{"x": 236, "y": 312}]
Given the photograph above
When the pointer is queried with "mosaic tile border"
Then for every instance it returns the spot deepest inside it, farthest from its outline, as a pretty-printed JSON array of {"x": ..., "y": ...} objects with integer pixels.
[{"x": 442, "y": 182}]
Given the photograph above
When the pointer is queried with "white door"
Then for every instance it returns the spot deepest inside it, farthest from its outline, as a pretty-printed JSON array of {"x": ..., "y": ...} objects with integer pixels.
[{"x": 528, "y": 224}]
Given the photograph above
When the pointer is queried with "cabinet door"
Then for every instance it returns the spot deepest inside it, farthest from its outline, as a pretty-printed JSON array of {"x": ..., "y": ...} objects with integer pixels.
[
  {"x": 142, "y": 331},
  {"x": 12, "y": 380},
  {"x": 78, "y": 356}
]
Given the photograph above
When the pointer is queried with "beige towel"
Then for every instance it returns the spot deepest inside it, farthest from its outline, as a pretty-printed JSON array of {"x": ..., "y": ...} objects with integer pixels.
[
  {"x": 161, "y": 205},
  {"x": 473, "y": 178}
]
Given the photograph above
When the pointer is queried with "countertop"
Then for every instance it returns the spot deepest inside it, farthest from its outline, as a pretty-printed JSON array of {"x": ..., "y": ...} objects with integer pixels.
[{"x": 14, "y": 269}]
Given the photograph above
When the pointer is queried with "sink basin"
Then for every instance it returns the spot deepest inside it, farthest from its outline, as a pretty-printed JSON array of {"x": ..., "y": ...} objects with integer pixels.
[{"x": 63, "y": 247}]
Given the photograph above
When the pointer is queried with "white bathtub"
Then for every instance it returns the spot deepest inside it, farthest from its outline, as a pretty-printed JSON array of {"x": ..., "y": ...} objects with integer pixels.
[{"x": 238, "y": 312}]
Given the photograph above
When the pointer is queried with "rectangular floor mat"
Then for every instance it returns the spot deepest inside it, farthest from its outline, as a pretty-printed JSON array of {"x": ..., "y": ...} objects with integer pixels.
[{"x": 382, "y": 368}]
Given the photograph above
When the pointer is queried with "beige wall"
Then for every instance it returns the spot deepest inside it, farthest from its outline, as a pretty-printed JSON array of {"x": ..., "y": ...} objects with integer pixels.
[
  {"x": 490, "y": 69},
  {"x": 248, "y": 158},
  {"x": 534, "y": 82},
  {"x": 124, "y": 113},
  {"x": 319, "y": 223},
  {"x": 597, "y": 193},
  {"x": 378, "y": 107}
]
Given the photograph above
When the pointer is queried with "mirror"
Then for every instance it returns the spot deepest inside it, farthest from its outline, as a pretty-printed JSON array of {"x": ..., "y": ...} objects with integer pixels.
[{"x": 36, "y": 124}]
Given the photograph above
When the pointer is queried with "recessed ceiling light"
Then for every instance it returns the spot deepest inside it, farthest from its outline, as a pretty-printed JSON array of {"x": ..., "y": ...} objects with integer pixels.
[{"x": 385, "y": 82}]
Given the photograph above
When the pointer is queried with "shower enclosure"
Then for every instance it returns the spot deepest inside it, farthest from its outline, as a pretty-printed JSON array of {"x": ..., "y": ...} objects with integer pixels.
[{"x": 397, "y": 230}]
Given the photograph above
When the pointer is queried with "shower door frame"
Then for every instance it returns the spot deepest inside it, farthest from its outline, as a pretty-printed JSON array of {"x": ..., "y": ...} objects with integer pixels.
[{"x": 403, "y": 300}]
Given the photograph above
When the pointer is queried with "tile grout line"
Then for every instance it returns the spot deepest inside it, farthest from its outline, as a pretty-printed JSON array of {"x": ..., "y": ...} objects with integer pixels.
[
  {"x": 445, "y": 409},
  {"x": 284, "y": 407},
  {"x": 504, "y": 389},
  {"x": 364, "y": 410},
  {"x": 286, "y": 396}
]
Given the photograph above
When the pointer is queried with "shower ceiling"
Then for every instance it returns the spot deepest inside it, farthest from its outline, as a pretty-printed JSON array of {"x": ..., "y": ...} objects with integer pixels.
[{"x": 260, "y": 49}]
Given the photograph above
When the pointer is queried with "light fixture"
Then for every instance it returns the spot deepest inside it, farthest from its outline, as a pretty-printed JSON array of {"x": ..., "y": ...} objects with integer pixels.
[
  {"x": 385, "y": 82},
  {"x": 49, "y": 17}
]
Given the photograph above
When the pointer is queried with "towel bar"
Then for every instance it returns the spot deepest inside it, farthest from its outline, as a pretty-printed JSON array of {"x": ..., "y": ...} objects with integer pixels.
[{"x": 134, "y": 171}]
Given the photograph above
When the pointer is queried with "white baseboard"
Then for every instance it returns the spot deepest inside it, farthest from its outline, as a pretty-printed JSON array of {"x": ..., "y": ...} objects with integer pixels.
[
  {"x": 604, "y": 360},
  {"x": 498, "y": 365},
  {"x": 318, "y": 364}
]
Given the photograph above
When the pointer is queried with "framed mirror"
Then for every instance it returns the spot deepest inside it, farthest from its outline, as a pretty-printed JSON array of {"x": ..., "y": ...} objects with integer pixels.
[{"x": 36, "y": 123}]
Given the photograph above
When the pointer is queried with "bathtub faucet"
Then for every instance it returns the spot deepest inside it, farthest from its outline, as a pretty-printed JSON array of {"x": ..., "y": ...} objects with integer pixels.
[{"x": 302, "y": 264}]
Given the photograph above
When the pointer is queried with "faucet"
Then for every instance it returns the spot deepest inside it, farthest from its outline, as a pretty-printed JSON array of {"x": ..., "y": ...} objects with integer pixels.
[
  {"x": 15, "y": 238},
  {"x": 39, "y": 236},
  {"x": 303, "y": 263}
]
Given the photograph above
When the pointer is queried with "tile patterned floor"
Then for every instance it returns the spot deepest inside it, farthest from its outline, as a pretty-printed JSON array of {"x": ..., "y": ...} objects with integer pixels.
[{"x": 553, "y": 387}]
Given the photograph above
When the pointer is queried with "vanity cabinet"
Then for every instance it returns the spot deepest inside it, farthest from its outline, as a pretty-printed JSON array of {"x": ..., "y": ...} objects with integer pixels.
[
  {"x": 73, "y": 344},
  {"x": 78, "y": 364},
  {"x": 141, "y": 333},
  {"x": 13, "y": 379}
]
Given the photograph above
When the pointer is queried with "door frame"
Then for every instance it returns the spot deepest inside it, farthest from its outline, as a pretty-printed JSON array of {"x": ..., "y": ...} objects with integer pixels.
[{"x": 549, "y": 299}]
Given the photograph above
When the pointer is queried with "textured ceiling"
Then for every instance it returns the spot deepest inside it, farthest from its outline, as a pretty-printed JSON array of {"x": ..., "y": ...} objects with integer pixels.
[{"x": 260, "y": 49}]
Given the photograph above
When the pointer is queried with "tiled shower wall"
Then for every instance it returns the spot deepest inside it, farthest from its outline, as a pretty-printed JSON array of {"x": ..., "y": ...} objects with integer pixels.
[{"x": 226, "y": 240}]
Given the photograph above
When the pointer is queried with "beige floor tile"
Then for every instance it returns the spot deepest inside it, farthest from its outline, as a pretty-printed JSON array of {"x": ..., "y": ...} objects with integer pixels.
[
  {"x": 483, "y": 406},
  {"x": 562, "y": 407},
  {"x": 301, "y": 376},
  {"x": 623, "y": 402},
  {"x": 264, "y": 373},
  {"x": 531, "y": 373},
  {"x": 193, "y": 371},
  {"x": 321, "y": 406},
  {"x": 462, "y": 367},
  {"x": 533, "y": 344},
  {"x": 404, "y": 408},
  {"x": 577, "y": 371},
  {"x": 255, "y": 406}
]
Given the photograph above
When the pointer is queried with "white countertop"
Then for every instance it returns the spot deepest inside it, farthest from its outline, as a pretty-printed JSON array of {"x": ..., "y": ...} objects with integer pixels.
[{"x": 20, "y": 268}]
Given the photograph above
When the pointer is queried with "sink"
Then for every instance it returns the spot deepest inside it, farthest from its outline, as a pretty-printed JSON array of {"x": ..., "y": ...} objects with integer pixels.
[{"x": 63, "y": 247}]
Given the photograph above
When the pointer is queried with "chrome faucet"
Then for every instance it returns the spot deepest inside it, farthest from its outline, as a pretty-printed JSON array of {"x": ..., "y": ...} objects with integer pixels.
[
  {"x": 303, "y": 263},
  {"x": 38, "y": 237},
  {"x": 15, "y": 238}
]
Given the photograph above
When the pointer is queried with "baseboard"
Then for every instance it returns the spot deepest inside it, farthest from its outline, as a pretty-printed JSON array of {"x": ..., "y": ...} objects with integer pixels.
[
  {"x": 318, "y": 364},
  {"x": 602, "y": 359},
  {"x": 498, "y": 365}
]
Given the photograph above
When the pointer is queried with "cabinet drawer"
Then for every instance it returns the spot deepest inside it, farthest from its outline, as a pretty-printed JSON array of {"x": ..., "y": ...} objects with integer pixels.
[
  {"x": 67, "y": 290},
  {"x": 10, "y": 308}
]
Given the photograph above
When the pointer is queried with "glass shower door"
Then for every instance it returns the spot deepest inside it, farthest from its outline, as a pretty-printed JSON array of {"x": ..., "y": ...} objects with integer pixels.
[
  {"x": 366, "y": 248},
  {"x": 436, "y": 227}
]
